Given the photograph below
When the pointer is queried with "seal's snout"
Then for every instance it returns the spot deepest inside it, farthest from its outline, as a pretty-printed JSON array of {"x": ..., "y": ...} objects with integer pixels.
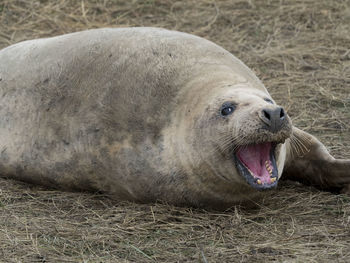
[{"x": 274, "y": 118}]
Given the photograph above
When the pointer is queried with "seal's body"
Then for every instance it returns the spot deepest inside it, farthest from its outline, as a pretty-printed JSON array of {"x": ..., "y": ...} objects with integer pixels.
[{"x": 148, "y": 114}]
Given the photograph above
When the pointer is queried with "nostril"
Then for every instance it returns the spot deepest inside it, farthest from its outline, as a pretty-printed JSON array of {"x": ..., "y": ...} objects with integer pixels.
[
  {"x": 273, "y": 118},
  {"x": 267, "y": 115},
  {"x": 282, "y": 114}
]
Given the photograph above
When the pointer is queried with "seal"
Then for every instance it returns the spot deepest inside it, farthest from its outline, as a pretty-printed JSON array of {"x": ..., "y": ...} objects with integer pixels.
[{"x": 148, "y": 114}]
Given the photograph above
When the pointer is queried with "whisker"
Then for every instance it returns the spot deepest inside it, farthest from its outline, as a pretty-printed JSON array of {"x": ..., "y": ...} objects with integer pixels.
[{"x": 300, "y": 144}]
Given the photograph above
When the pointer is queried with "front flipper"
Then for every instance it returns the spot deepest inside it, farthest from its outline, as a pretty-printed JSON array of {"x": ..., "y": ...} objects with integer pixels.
[{"x": 309, "y": 162}]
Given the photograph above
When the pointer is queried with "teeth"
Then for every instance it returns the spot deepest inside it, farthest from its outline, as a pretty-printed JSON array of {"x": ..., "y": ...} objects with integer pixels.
[
  {"x": 268, "y": 167},
  {"x": 273, "y": 179},
  {"x": 258, "y": 181}
]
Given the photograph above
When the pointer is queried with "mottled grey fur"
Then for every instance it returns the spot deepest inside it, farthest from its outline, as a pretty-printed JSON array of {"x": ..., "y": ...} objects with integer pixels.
[{"x": 130, "y": 112}]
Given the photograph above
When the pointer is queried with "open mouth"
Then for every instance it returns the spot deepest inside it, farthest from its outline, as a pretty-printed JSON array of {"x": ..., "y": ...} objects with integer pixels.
[{"x": 257, "y": 164}]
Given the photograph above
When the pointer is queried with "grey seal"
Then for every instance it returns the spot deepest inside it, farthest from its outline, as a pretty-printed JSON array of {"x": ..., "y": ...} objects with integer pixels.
[{"x": 148, "y": 114}]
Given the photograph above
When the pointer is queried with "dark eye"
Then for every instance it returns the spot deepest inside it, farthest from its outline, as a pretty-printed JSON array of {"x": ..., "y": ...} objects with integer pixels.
[
  {"x": 227, "y": 109},
  {"x": 268, "y": 100}
]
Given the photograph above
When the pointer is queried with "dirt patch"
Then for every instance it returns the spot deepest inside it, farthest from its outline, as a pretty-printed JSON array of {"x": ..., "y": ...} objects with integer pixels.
[{"x": 300, "y": 49}]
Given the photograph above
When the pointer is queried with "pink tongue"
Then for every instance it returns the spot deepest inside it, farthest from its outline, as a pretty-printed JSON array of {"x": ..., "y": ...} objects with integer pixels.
[{"x": 254, "y": 157}]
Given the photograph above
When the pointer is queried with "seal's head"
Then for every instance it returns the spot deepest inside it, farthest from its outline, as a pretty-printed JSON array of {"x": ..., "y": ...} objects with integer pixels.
[{"x": 239, "y": 135}]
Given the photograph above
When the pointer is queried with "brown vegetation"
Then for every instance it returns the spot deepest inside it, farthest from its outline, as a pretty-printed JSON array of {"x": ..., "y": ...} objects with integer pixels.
[{"x": 299, "y": 48}]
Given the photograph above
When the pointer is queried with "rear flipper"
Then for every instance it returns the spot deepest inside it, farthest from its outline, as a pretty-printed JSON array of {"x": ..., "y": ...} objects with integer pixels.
[{"x": 309, "y": 162}]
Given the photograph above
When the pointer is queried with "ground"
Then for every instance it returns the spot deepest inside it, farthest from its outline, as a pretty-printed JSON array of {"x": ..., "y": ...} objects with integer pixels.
[{"x": 300, "y": 50}]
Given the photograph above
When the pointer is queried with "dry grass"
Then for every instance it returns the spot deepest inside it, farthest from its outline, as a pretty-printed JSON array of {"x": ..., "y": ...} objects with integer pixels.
[{"x": 300, "y": 49}]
